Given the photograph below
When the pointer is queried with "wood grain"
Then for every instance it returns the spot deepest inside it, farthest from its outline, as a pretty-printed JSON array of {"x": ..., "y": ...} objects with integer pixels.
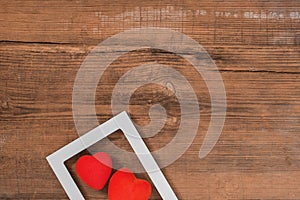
[{"x": 255, "y": 45}]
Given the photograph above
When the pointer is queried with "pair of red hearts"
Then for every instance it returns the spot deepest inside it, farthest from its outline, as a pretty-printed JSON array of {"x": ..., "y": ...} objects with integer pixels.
[{"x": 95, "y": 171}]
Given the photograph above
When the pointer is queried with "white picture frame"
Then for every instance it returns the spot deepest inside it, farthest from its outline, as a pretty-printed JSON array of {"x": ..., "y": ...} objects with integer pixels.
[{"x": 123, "y": 122}]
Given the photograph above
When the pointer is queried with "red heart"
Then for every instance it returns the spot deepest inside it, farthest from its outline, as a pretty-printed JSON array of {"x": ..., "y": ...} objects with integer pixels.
[
  {"x": 94, "y": 170},
  {"x": 124, "y": 185}
]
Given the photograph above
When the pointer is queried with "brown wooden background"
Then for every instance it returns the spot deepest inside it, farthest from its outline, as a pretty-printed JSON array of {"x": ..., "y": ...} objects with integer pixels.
[{"x": 255, "y": 44}]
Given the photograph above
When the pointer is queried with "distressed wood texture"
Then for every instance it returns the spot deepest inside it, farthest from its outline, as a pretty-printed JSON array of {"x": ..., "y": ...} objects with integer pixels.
[{"x": 255, "y": 45}]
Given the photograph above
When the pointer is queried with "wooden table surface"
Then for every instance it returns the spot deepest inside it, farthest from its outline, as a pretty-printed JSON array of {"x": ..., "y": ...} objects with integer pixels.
[{"x": 255, "y": 45}]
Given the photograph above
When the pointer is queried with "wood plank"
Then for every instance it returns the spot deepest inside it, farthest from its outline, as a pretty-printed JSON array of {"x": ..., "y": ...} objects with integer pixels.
[{"x": 255, "y": 45}]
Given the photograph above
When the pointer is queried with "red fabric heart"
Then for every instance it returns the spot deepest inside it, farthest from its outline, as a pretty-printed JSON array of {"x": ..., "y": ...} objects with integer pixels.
[
  {"x": 94, "y": 170},
  {"x": 124, "y": 185}
]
